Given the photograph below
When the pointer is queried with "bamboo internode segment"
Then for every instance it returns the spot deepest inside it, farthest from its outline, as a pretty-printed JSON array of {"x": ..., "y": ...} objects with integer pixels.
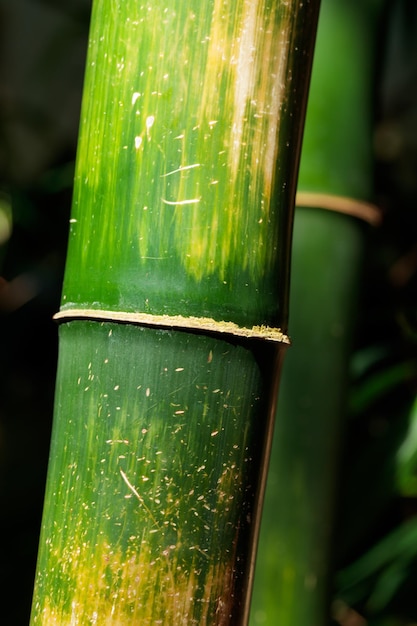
[
  {"x": 176, "y": 321},
  {"x": 341, "y": 204},
  {"x": 187, "y": 158},
  {"x": 153, "y": 491}
]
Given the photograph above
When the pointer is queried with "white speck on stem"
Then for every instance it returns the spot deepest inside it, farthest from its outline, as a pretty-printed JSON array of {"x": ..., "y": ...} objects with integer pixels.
[
  {"x": 181, "y": 202},
  {"x": 183, "y": 168},
  {"x": 135, "y": 492},
  {"x": 112, "y": 441}
]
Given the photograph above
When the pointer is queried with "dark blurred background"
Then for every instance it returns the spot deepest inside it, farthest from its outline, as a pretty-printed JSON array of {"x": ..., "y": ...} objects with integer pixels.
[{"x": 42, "y": 56}]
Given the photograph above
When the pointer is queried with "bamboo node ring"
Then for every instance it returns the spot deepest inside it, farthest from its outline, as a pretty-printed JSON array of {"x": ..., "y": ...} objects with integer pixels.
[
  {"x": 341, "y": 204},
  {"x": 176, "y": 321}
]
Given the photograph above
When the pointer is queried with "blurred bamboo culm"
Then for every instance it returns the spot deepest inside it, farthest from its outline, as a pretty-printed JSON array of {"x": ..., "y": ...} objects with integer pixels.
[
  {"x": 293, "y": 581},
  {"x": 174, "y": 310}
]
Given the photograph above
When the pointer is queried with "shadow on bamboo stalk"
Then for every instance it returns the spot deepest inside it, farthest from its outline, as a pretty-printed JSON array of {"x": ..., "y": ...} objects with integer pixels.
[{"x": 174, "y": 310}]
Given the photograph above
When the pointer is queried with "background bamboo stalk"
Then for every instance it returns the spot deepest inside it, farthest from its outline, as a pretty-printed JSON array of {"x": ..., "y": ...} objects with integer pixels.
[
  {"x": 293, "y": 583},
  {"x": 294, "y": 562}
]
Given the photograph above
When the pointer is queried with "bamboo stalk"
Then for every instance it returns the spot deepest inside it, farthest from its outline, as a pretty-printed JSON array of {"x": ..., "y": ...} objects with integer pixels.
[
  {"x": 293, "y": 582},
  {"x": 294, "y": 562},
  {"x": 174, "y": 310}
]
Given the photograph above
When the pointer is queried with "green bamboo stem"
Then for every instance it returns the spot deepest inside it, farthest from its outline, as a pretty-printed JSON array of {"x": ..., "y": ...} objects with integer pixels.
[
  {"x": 292, "y": 579},
  {"x": 174, "y": 310},
  {"x": 195, "y": 130},
  {"x": 294, "y": 567}
]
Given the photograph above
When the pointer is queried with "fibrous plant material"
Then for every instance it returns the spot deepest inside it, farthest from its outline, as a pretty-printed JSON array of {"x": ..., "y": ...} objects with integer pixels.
[{"x": 174, "y": 310}]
